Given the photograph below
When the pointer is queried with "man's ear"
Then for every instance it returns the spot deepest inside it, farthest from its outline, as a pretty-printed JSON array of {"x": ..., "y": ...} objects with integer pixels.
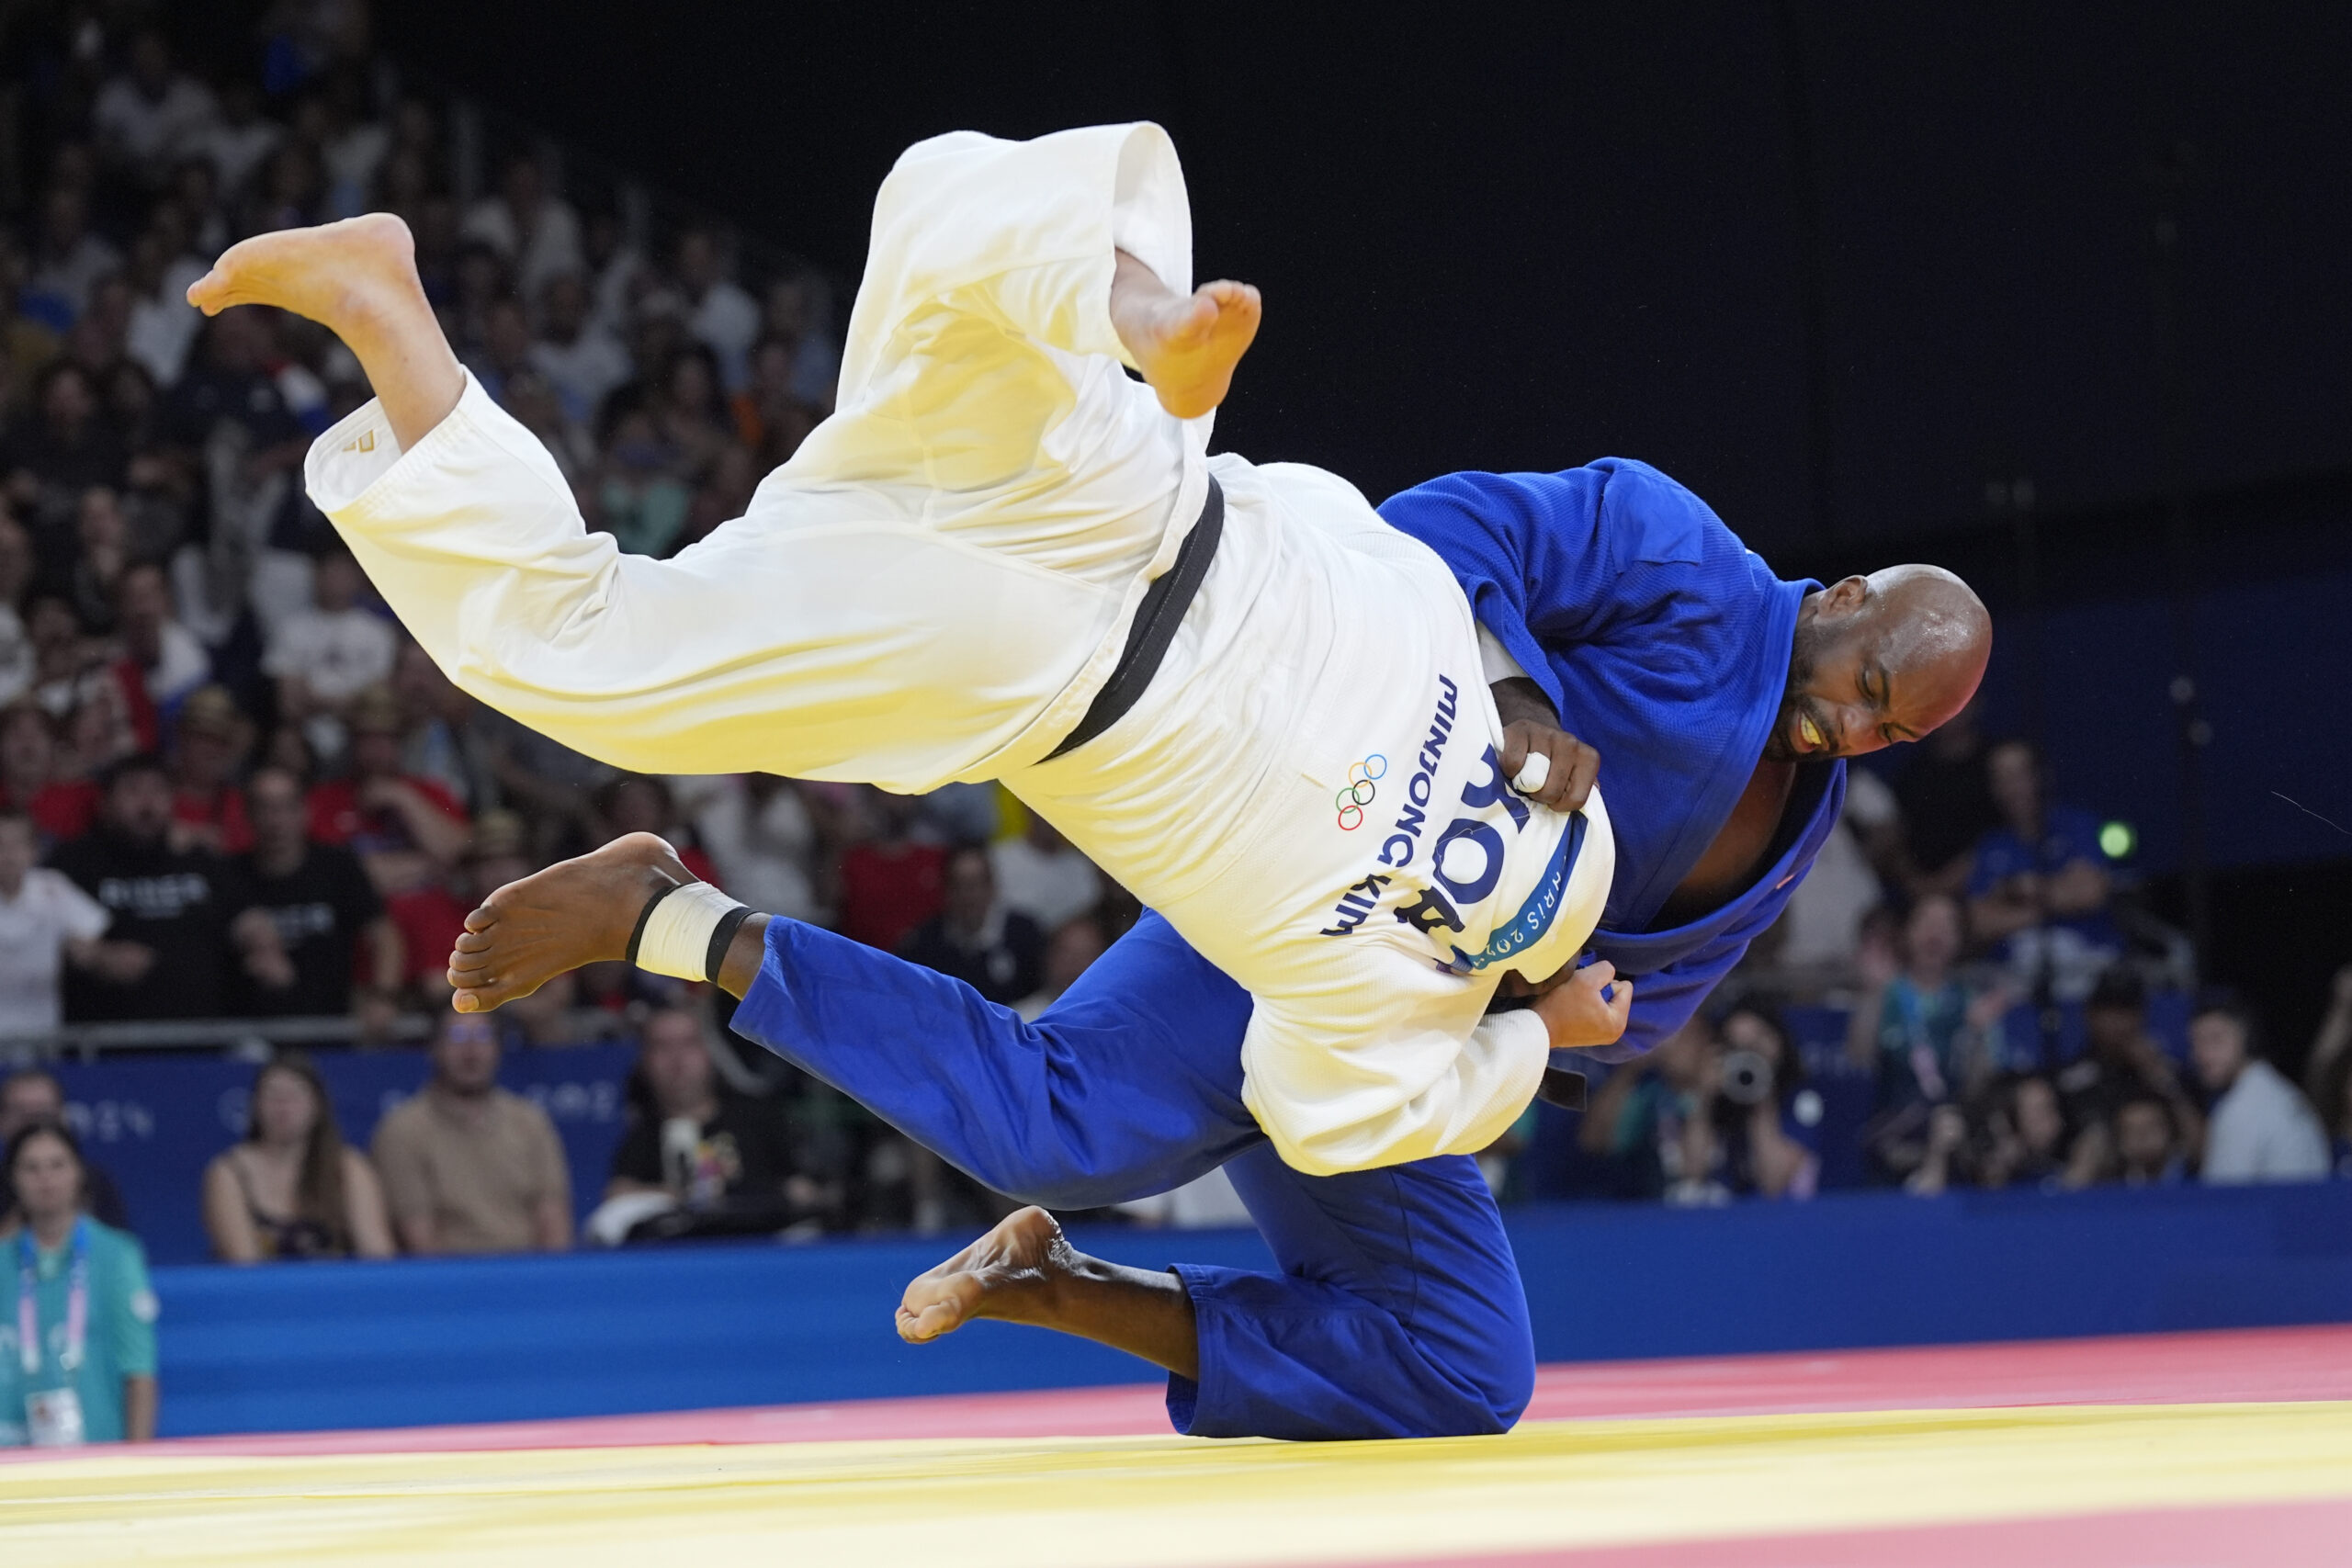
[{"x": 1843, "y": 597}]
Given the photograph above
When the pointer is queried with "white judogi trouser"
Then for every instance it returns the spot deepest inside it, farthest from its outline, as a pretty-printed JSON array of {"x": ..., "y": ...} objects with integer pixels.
[{"x": 936, "y": 586}]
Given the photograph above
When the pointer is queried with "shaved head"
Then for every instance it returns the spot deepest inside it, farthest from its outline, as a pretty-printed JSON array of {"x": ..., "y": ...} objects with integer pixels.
[{"x": 1879, "y": 660}]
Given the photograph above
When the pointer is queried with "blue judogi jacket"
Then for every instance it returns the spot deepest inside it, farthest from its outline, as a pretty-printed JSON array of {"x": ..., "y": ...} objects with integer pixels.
[{"x": 1664, "y": 643}]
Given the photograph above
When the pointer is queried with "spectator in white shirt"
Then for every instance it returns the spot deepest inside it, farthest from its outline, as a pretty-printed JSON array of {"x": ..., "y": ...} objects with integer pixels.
[
  {"x": 720, "y": 315},
  {"x": 580, "y": 360},
  {"x": 1041, "y": 874},
  {"x": 163, "y": 324},
  {"x": 17, "y": 661},
  {"x": 45, "y": 921},
  {"x": 151, "y": 113},
  {"x": 323, "y": 656},
  {"x": 760, "y": 834},
  {"x": 170, "y": 660},
  {"x": 537, "y": 233},
  {"x": 69, "y": 259},
  {"x": 240, "y": 141},
  {"x": 2261, "y": 1128}
]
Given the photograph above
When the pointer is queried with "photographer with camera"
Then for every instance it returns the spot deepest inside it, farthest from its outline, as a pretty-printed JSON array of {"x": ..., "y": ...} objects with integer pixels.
[{"x": 1698, "y": 1125}]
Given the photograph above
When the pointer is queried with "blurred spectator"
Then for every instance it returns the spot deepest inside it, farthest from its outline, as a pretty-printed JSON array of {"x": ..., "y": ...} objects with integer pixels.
[
  {"x": 2037, "y": 891},
  {"x": 797, "y": 310},
  {"x": 762, "y": 834},
  {"x": 708, "y": 1152},
  {"x": 2026, "y": 1143},
  {"x": 407, "y": 831},
  {"x": 163, "y": 325},
  {"x": 163, "y": 655},
  {"x": 1947, "y": 803},
  {"x": 1767, "y": 1117},
  {"x": 890, "y": 883},
  {"x": 578, "y": 357},
  {"x": 612, "y": 266},
  {"x": 2122, "y": 1059},
  {"x": 1820, "y": 934},
  {"x": 208, "y": 810},
  {"x": 92, "y": 1373},
  {"x": 1070, "y": 952},
  {"x": 2261, "y": 1128},
  {"x": 166, "y": 955},
  {"x": 999, "y": 953},
  {"x": 301, "y": 912},
  {"x": 535, "y": 231},
  {"x": 771, "y": 419},
  {"x": 65, "y": 448},
  {"x": 429, "y": 918},
  {"x": 33, "y": 1094},
  {"x": 151, "y": 113},
  {"x": 439, "y": 738},
  {"x": 638, "y": 803},
  {"x": 240, "y": 141},
  {"x": 61, "y": 808},
  {"x": 323, "y": 657},
  {"x": 1041, "y": 874},
  {"x": 102, "y": 554},
  {"x": 353, "y": 144},
  {"x": 2328, "y": 1074},
  {"x": 720, "y": 315},
  {"x": 68, "y": 260},
  {"x": 1649, "y": 1119},
  {"x": 292, "y": 1191},
  {"x": 17, "y": 659},
  {"x": 2148, "y": 1149},
  {"x": 467, "y": 1166},
  {"x": 640, "y": 499},
  {"x": 1927, "y": 1037},
  {"x": 45, "y": 922},
  {"x": 503, "y": 353}
]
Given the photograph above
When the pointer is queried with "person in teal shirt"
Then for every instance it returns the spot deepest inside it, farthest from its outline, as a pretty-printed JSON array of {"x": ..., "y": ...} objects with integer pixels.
[{"x": 89, "y": 1373}]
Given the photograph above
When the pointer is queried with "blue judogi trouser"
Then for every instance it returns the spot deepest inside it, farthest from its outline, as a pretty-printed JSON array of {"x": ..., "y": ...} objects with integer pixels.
[{"x": 1398, "y": 1312}]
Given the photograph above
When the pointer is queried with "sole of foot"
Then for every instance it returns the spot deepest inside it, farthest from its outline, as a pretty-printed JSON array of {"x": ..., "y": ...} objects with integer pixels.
[
  {"x": 575, "y": 912},
  {"x": 1006, "y": 1274},
  {"x": 1188, "y": 348},
  {"x": 338, "y": 274}
]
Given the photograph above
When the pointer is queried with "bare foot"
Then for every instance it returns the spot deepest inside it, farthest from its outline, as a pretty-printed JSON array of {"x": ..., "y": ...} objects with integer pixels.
[
  {"x": 358, "y": 279},
  {"x": 1185, "y": 345},
  {"x": 575, "y": 912},
  {"x": 1011, "y": 1273}
]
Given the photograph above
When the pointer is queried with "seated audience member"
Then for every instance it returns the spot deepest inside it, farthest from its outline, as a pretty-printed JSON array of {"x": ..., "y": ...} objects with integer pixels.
[
  {"x": 207, "y": 808},
  {"x": 407, "y": 831},
  {"x": 428, "y": 918},
  {"x": 61, "y": 809},
  {"x": 1947, "y": 806},
  {"x": 707, "y": 1150},
  {"x": 293, "y": 1191},
  {"x": 1642, "y": 1118},
  {"x": 45, "y": 922},
  {"x": 891, "y": 882},
  {"x": 467, "y": 1166},
  {"x": 2148, "y": 1151},
  {"x": 325, "y": 657},
  {"x": 1926, "y": 1036},
  {"x": 304, "y": 911},
  {"x": 2040, "y": 884},
  {"x": 1043, "y": 876},
  {"x": 92, "y": 1376},
  {"x": 2260, "y": 1127},
  {"x": 33, "y": 1094},
  {"x": 638, "y": 803},
  {"x": 998, "y": 951},
  {"x": 441, "y": 738},
  {"x": 2328, "y": 1074},
  {"x": 163, "y": 657},
  {"x": 762, "y": 834},
  {"x": 580, "y": 360},
  {"x": 1073, "y": 947},
  {"x": 1769, "y": 1119},
  {"x": 2120, "y": 1058},
  {"x": 166, "y": 953},
  {"x": 2026, "y": 1143}
]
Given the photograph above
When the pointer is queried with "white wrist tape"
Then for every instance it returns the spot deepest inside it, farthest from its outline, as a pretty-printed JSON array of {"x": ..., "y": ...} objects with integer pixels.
[
  {"x": 678, "y": 934},
  {"x": 1533, "y": 773}
]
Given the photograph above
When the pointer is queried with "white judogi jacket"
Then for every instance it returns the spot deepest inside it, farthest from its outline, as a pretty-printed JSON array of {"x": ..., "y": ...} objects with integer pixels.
[{"x": 936, "y": 585}]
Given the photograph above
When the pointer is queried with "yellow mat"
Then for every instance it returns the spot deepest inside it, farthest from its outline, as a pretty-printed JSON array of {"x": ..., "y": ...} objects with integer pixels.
[{"x": 974, "y": 1504}]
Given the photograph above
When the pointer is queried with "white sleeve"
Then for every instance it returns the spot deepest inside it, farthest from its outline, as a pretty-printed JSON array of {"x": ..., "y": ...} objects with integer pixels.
[
  {"x": 1495, "y": 659},
  {"x": 79, "y": 916},
  {"x": 1332, "y": 1103}
]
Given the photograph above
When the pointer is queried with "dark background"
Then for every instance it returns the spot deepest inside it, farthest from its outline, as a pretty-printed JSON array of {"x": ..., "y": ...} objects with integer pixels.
[{"x": 1848, "y": 270}]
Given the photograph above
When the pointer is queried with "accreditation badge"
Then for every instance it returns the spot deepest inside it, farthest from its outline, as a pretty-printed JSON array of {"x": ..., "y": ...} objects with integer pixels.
[{"x": 53, "y": 1418}]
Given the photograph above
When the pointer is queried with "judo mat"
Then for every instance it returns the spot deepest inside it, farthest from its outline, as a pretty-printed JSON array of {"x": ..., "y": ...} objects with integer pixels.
[{"x": 2159, "y": 1451}]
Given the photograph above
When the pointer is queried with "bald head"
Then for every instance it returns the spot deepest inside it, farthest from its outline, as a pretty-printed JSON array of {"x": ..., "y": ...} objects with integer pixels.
[{"x": 1879, "y": 660}]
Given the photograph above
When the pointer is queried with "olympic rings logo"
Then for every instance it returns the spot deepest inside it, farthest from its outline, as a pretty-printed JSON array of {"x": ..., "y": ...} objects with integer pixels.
[{"x": 1359, "y": 791}]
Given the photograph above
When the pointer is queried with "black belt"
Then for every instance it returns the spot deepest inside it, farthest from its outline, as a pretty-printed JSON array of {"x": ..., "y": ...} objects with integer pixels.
[{"x": 1156, "y": 618}]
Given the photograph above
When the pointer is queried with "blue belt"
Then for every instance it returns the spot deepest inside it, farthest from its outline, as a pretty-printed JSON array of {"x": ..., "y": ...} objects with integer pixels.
[{"x": 1525, "y": 929}]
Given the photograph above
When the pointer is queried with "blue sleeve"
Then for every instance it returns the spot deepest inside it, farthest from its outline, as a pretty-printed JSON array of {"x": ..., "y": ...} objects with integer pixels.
[{"x": 1545, "y": 559}]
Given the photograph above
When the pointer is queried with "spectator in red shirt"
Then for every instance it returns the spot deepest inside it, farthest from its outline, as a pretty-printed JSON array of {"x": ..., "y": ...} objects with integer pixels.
[
  {"x": 409, "y": 832},
  {"x": 891, "y": 882},
  {"x": 61, "y": 809},
  {"x": 638, "y": 803},
  {"x": 207, "y": 811},
  {"x": 430, "y": 917}
]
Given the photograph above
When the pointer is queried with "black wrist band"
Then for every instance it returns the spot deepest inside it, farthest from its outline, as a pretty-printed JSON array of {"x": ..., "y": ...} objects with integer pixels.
[
  {"x": 638, "y": 935},
  {"x": 722, "y": 937}
]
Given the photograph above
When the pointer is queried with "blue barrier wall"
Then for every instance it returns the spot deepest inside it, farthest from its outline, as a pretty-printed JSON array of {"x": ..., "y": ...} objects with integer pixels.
[{"x": 356, "y": 1344}]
